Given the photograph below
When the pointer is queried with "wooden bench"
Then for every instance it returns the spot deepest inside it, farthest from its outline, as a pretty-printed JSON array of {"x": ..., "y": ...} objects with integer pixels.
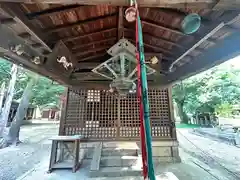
[{"x": 60, "y": 144}]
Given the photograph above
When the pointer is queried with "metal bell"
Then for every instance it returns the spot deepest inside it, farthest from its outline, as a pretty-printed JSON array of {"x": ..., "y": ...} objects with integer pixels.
[{"x": 191, "y": 23}]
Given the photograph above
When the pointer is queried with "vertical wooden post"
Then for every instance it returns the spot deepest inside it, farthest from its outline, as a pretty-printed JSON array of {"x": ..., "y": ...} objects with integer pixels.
[
  {"x": 2, "y": 91},
  {"x": 120, "y": 22},
  {"x": 171, "y": 113},
  {"x": 118, "y": 117},
  {"x": 64, "y": 112}
]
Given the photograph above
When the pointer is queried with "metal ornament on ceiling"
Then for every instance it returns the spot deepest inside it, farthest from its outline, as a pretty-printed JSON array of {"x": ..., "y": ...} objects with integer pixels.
[{"x": 191, "y": 23}]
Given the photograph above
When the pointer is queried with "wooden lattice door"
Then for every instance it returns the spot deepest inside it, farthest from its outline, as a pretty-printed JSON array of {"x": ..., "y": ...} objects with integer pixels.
[{"x": 100, "y": 115}]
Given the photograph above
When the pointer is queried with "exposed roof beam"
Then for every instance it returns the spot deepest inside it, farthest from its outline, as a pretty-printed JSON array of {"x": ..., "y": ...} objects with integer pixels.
[
  {"x": 91, "y": 50},
  {"x": 87, "y": 65},
  {"x": 227, "y": 20},
  {"x": 78, "y": 23},
  {"x": 158, "y": 38},
  {"x": 150, "y": 3},
  {"x": 84, "y": 76},
  {"x": 154, "y": 47},
  {"x": 147, "y": 55},
  {"x": 93, "y": 43},
  {"x": 92, "y": 57},
  {"x": 120, "y": 22},
  {"x": 7, "y": 21},
  {"x": 224, "y": 50},
  {"x": 36, "y": 45},
  {"x": 18, "y": 15},
  {"x": 53, "y": 11},
  {"x": 156, "y": 25},
  {"x": 67, "y": 39},
  {"x": 224, "y": 4}
]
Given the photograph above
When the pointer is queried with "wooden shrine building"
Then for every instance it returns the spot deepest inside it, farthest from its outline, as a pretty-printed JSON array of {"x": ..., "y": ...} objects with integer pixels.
[{"x": 71, "y": 41}]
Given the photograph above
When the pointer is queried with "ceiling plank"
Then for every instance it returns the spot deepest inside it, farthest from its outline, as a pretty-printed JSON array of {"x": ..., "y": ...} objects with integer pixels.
[
  {"x": 92, "y": 50},
  {"x": 120, "y": 22},
  {"x": 93, "y": 43},
  {"x": 78, "y": 23},
  {"x": 72, "y": 38},
  {"x": 18, "y": 15}
]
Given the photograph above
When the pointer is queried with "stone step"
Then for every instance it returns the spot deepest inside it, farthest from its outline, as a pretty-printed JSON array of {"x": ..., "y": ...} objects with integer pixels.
[
  {"x": 119, "y": 152},
  {"x": 119, "y": 161},
  {"x": 116, "y": 172}
]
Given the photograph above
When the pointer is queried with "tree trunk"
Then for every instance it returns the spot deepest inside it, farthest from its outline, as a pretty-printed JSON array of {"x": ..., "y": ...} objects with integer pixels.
[
  {"x": 183, "y": 116},
  {"x": 2, "y": 96},
  {"x": 13, "y": 134},
  {"x": 8, "y": 101}
]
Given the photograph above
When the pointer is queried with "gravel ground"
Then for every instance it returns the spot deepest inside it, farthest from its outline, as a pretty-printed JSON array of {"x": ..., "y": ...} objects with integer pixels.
[
  {"x": 216, "y": 156},
  {"x": 16, "y": 160},
  {"x": 220, "y": 160}
]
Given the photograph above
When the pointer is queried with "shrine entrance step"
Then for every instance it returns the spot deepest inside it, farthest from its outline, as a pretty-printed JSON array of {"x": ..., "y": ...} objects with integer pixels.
[{"x": 115, "y": 159}]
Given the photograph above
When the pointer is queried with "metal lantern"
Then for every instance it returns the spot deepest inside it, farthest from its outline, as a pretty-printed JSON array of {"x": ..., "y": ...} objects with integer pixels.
[
  {"x": 121, "y": 68},
  {"x": 191, "y": 23}
]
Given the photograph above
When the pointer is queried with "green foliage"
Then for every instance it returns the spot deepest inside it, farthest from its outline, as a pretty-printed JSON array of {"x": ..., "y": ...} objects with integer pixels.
[
  {"x": 5, "y": 68},
  {"x": 224, "y": 110},
  {"x": 44, "y": 92},
  {"x": 214, "y": 90}
]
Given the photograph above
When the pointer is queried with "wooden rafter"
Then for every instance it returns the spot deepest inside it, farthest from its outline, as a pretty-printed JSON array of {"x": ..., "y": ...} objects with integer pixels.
[
  {"x": 94, "y": 43},
  {"x": 91, "y": 50},
  {"x": 224, "y": 50},
  {"x": 149, "y": 3},
  {"x": 156, "y": 25},
  {"x": 158, "y": 38},
  {"x": 53, "y": 11},
  {"x": 78, "y": 23},
  {"x": 7, "y": 21},
  {"x": 87, "y": 65},
  {"x": 18, "y": 15},
  {"x": 120, "y": 22},
  {"x": 92, "y": 57},
  {"x": 154, "y": 47},
  {"x": 72, "y": 38}
]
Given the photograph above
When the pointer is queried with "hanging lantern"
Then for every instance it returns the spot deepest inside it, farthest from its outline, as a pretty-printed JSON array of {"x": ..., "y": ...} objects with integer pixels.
[
  {"x": 130, "y": 14},
  {"x": 191, "y": 23}
]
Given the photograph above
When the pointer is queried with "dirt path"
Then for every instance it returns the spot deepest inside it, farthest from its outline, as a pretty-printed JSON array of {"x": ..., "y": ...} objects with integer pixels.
[
  {"x": 220, "y": 159},
  {"x": 15, "y": 161}
]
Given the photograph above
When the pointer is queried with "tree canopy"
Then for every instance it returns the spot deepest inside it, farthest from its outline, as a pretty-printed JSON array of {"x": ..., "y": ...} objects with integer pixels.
[
  {"x": 217, "y": 89},
  {"x": 44, "y": 92}
]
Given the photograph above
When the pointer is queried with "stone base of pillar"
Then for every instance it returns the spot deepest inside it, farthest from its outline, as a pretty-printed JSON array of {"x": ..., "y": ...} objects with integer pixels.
[{"x": 165, "y": 151}]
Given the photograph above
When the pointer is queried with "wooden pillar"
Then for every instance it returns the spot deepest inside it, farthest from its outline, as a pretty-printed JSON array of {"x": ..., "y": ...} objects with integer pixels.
[
  {"x": 171, "y": 113},
  {"x": 64, "y": 112}
]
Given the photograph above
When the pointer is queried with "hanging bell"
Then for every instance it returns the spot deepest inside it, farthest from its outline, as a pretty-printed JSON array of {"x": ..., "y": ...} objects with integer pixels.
[
  {"x": 191, "y": 23},
  {"x": 130, "y": 14}
]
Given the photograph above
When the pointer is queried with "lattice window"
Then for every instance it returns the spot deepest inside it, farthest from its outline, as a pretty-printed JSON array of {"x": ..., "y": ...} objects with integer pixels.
[{"x": 93, "y": 95}]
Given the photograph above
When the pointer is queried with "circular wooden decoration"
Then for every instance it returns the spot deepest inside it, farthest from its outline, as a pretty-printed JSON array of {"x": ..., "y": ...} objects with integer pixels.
[{"x": 130, "y": 14}]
